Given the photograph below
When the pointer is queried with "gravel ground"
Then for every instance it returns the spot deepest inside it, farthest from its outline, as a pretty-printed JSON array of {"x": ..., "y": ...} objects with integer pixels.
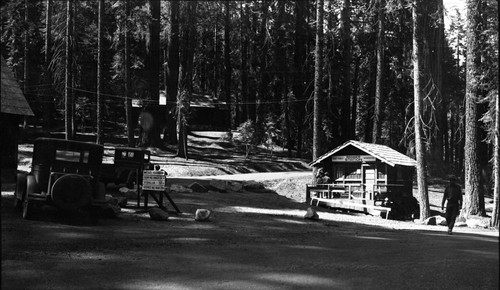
[{"x": 254, "y": 240}]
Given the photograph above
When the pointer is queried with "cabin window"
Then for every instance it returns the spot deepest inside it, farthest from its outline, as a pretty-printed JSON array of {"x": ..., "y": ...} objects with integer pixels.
[
  {"x": 346, "y": 171},
  {"x": 338, "y": 173}
]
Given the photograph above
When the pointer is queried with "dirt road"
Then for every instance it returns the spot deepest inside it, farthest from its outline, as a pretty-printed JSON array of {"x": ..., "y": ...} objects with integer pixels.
[{"x": 253, "y": 241}]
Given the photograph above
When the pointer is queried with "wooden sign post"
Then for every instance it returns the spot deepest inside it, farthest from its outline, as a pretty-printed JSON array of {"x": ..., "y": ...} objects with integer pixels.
[{"x": 154, "y": 181}]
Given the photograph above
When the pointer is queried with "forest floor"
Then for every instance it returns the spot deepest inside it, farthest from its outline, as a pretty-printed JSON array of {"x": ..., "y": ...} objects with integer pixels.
[{"x": 254, "y": 239}]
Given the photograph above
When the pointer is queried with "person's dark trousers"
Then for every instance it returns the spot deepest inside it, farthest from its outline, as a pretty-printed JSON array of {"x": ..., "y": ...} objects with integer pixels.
[{"x": 451, "y": 215}]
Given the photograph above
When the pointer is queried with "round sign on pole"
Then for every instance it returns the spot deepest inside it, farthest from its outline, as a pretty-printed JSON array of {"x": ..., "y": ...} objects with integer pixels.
[{"x": 146, "y": 120}]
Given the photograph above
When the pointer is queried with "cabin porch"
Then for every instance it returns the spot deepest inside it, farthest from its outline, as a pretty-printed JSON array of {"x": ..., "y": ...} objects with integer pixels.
[{"x": 355, "y": 197}]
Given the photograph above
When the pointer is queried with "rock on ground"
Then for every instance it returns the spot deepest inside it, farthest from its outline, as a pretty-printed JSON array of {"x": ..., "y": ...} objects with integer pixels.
[
  {"x": 202, "y": 214},
  {"x": 435, "y": 220},
  {"x": 179, "y": 188},
  {"x": 196, "y": 187},
  {"x": 478, "y": 222},
  {"x": 218, "y": 184},
  {"x": 311, "y": 214},
  {"x": 158, "y": 214},
  {"x": 235, "y": 186}
]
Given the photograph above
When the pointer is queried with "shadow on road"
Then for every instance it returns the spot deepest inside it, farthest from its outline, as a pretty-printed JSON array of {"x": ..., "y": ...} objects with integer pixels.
[{"x": 253, "y": 241}]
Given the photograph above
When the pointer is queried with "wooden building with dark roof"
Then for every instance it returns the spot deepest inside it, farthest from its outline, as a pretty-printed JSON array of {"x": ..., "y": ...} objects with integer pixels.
[
  {"x": 13, "y": 107},
  {"x": 361, "y": 176}
]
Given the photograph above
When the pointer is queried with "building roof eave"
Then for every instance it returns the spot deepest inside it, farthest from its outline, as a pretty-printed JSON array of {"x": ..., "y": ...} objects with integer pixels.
[{"x": 367, "y": 147}]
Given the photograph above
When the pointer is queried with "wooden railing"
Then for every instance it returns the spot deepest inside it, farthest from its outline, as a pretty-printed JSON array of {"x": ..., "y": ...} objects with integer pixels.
[{"x": 350, "y": 191}]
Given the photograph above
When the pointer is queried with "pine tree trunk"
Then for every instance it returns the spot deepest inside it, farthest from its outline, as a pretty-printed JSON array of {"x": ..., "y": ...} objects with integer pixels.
[
  {"x": 298, "y": 64},
  {"x": 417, "y": 85},
  {"x": 354, "y": 107},
  {"x": 173, "y": 74},
  {"x": 472, "y": 203},
  {"x": 495, "y": 215},
  {"x": 254, "y": 66},
  {"x": 439, "y": 40},
  {"x": 264, "y": 65},
  {"x": 227, "y": 64},
  {"x": 100, "y": 30},
  {"x": 244, "y": 31},
  {"x": 281, "y": 69},
  {"x": 152, "y": 136},
  {"x": 48, "y": 31},
  {"x": 48, "y": 107},
  {"x": 26, "y": 70},
  {"x": 318, "y": 76},
  {"x": 347, "y": 132},
  {"x": 186, "y": 79},
  {"x": 128, "y": 100},
  {"x": 68, "y": 74},
  {"x": 333, "y": 76},
  {"x": 74, "y": 47},
  {"x": 380, "y": 72}
]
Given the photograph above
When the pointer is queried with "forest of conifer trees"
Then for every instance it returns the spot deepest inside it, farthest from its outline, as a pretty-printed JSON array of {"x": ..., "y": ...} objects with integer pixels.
[{"x": 320, "y": 72}]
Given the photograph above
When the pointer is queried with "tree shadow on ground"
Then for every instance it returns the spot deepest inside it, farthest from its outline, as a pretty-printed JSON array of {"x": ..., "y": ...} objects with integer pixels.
[{"x": 253, "y": 240}]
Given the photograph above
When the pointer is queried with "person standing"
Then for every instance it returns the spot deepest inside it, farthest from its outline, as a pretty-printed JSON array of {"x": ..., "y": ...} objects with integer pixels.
[{"x": 453, "y": 196}]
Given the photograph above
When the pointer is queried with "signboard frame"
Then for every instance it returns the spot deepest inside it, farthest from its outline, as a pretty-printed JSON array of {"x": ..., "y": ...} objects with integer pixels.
[{"x": 153, "y": 180}]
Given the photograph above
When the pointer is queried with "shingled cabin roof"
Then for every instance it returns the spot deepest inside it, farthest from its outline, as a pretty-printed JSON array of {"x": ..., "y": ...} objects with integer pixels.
[
  {"x": 381, "y": 152},
  {"x": 12, "y": 98}
]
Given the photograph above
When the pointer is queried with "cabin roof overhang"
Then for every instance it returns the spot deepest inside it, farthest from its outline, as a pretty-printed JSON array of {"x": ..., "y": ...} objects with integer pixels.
[
  {"x": 12, "y": 98},
  {"x": 381, "y": 152}
]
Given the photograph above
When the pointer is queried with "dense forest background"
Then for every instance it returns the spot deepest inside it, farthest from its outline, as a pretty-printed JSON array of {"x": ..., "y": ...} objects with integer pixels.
[{"x": 304, "y": 75}]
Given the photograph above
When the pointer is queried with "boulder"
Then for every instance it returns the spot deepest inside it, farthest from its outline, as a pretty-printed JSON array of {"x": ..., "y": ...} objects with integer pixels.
[
  {"x": 311, "y": 214},
  {"x": 435, "y": 220},
  {"x": 202, "y": 215},
  {"x": 196, "y": 187},
  {"x": 441, "y": 221},
  {"x": 158, "y": 214},
  {"x": 179, "y": 188},
  {"x": 218, "y": 184},
  {"x": 478, "y": 222},
  {"x": 235, "y": 186}
]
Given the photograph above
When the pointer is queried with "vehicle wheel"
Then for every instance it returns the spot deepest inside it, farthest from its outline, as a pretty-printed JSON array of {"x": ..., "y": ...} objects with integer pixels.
[
  {"x": 71, "y": 192},
  {"x": 20, "y": 191}
]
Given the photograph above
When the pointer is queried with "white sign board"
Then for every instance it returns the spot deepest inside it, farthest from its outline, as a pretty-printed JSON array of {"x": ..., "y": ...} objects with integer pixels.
[
  {"x": 153, "y": 180},
  {"x": 353, "y": 158}
]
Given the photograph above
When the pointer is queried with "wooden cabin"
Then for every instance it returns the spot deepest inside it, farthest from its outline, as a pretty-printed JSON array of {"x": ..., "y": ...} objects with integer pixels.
[
  {"x": 13, "y": 108},
  {"x": 361, "y": 176}
]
